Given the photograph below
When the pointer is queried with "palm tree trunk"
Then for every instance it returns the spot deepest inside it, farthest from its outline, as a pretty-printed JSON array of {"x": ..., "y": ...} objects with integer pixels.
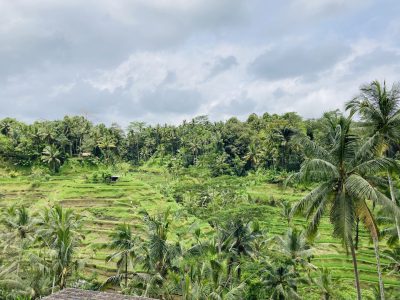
[
  {"x": 378, "y": 267},
  {"x": 53, "y": 284},
  {"x": 126, "y": 270},
  {"x": 357, "y": 279},
  {"x": 357, "y": 232},
  {"x": 392, "y": 196}
]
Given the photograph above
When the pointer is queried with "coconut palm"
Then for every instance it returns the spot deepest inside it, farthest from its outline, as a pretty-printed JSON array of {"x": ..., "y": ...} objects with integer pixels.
[
  {"x": 18, "y": 221},
  {"x": 106, "y": 144},
  {"x": 293, "y": 244},
  {"x": 19, "y": 224},
  {"x": 158, "y": 253},
  {"x": 324, "y": 282},
  {"x": 282, "y": 282},
  {"x": 344, "y": 174},
  {"x": 379, "y": 109},
  {"x": 252, "y": 156},
  {"x": 10, "y": 281},
  {"x": 59, "y": 231},
  {"x": 393, "y": 255},
  {"x": 238, "y": 242},
  {"x": 123, "y": 241},
  {"x": 51, "y": 156},
  {"x": 286, "y": 211}
]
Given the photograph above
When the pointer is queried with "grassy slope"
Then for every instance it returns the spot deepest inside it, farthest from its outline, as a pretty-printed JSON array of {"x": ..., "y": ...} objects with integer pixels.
[{"x": 104, "y": 206}]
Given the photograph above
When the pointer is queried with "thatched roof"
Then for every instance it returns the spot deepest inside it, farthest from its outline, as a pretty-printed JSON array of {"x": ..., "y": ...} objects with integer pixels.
[{"x": 77, "y": 294}]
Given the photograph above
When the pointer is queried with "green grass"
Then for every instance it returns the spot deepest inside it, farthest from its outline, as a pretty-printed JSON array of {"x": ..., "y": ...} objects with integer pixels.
[{"x": 106, "y": 205}]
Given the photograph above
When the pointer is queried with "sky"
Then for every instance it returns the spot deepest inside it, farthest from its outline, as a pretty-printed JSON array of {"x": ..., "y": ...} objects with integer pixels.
[{"x": 165, "y": 61}]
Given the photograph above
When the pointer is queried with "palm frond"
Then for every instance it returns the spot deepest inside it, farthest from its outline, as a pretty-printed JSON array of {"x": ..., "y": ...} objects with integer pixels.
[
  {"x": 376, "y": 165},
  {"x": 366, "y": 216},
  {"x": 317, "y": 169},
  {"x": 315, "y": 195},
  {"x": 342, "y": 217}
]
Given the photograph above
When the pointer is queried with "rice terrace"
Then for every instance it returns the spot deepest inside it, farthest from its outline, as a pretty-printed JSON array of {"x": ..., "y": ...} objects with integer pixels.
[{"x": 199, "y": 150}]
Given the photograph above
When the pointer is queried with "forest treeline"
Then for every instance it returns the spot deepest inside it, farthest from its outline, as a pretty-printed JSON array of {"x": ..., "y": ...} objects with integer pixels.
[
  {"x": 233, "y": 147},
  {"x": 350, "y": 170}
]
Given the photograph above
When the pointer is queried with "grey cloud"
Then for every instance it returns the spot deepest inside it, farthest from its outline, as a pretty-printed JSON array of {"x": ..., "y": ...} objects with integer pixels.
[
  {"x": 222, "y": 64},
  {"x": 278, "y": 93},
  {"x": 100, "y": 34},
  {"x": 171, "y": 100},
  {"x": 79, "y": 98},
  {"x": 295, "y": 60},
  {"x": 50, "y": 50},
  {"x": 377, "y": 58},
  {"x": 170, "y": 77},
  {"x": 241, "y": 105}
]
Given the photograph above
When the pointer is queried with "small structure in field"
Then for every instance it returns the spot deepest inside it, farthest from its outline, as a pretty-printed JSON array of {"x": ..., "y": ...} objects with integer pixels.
[
  {"x": 114, "y": 178},
  {"x": 86, "y": 154},
  {"x": 77, "y": 294}
]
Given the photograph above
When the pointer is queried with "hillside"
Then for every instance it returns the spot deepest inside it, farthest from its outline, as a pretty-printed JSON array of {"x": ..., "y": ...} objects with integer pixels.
[{"x": 103, "y": 206}]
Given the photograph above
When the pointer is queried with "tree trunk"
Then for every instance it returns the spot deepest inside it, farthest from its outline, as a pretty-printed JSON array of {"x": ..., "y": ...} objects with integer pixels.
[
  {"x": 391, "y": 188},
  {"x": 357, "y": 233},
  {"x": 378, "y": 267},
  {"x": 357, "y": 279},
  {"x": 126, "y": 270},
  {"x": 53, "y": 284}
]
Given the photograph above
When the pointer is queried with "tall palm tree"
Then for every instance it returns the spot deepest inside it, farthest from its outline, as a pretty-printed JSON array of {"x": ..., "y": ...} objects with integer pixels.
[
  {"x": 51, "y": 155},
  {"x": 59, "y": 231},
  {"x": 123, "y": 241},
  {"x": 158, "y": 253},
  {"x": 379, "y": 109},
  {"x": 252, "y": 156},
  {"x": 106, "y": 144},
  {"x": 344, "y": 174},
  {"x": 240, "y": 242}
]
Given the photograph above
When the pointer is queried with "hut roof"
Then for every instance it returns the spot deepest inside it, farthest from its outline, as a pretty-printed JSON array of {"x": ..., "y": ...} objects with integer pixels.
[{"x": 77, "y": 294}]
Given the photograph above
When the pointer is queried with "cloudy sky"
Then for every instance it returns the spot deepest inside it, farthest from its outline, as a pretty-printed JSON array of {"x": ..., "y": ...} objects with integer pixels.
[{"x": 169, "y": 60}]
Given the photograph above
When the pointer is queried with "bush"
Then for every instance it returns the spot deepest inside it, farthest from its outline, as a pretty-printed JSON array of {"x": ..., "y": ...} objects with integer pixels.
[
  {"x": 100, "y": 177},
  {"x": 13, "y": 174}
]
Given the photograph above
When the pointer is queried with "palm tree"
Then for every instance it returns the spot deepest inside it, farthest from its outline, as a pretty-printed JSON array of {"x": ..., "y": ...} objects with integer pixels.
[
  {"x": 10, "y": 281},
  {"x": 324, "y": 283},
  {"x": 286, "y": 211},
  {"x": 106, "y": 143},
  {"x": 123, "y": 242},
  {"x": 344, "y": 174},
  {"x": 19, "y": 224},
  {"x": 18, "y": 221},
  {"x": 238, "y": 241},
  {"x": 282, "y": 282},
  {"x": 295, "y": 247},
  {"x": 379, "y": 109},
  {"x": 59, "y": 231},
  {"x": 393, "y": 255},
  {"x": 252, "y": 156},
  {"x": 157, "y": 253},
  {"x": 51, "y": 156}
]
